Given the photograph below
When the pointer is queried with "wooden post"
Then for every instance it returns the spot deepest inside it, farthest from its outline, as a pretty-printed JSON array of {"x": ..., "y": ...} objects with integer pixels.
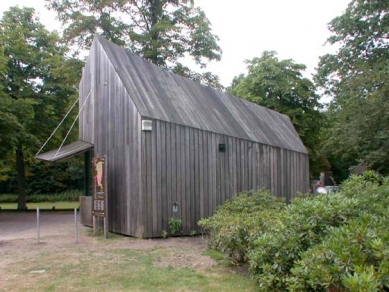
[{"x": 87, "y": 173}]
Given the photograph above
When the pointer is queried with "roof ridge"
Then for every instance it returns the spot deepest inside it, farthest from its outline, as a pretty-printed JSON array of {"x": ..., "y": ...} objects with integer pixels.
[{"x": 163, "y": 95}]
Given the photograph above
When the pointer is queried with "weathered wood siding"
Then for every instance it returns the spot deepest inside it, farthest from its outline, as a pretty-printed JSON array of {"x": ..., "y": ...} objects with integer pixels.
[
  {"x": 149, "y": 171},
  {"x": 111, "y": 122},
  {"x": 164, "y": 96},
  {"x": 86, "y": 210},
  {"x": 184, "y": 165}
]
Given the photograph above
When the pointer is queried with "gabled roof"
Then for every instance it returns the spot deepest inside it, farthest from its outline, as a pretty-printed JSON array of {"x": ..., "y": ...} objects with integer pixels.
[{"x": 162, "y": 95}]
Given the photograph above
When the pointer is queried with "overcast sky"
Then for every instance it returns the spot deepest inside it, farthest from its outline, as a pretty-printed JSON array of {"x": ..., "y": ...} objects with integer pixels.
[{"x": 296, "y": 29}]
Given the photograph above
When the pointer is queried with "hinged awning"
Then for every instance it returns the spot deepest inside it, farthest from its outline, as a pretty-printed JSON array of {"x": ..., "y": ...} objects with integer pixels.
[{"x": 66, "y": 151}]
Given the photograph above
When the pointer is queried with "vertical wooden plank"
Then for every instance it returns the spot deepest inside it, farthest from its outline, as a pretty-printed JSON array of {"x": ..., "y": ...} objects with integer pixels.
[
  {"x": 139, "y": 226},
  {"x": 226, "y": 181},
  {"x": 207, "y": 174},
  {"x": 264, "y": 167},
  {"x": 174, "y": 172},
  {"x": 214, "y": 171},
  {"x": 247, "y": 169},
  {"x": 243, "y": 164},
  {"x": 210, "y": 174},
  {"x": 289, "y": 188},
  {"x": 169, "y": 154},
  {"x": 253, "y": 168},
  {"x": 202, "y": 178},
  {"x": 238, "y": 159},
  {"x": 222, "y": 181},
  {"x": 143, "y": 192},
  {"x": 163, "y": 184},
  {"x": 250, "y": 172},
  {"x": 158, "y": 215},
  {"x": 192, "y": 185},
  {"x": 149, "y": 183},
  {"x": 187, "y": 180},
  {"x": 128, "y": 161},
  {"x": 267, "y": 167},
  {"x": 274, "y": 178},
  {"x": 130, "y": 178},
  {"x": 294, "y": 171},
  {"x": 196, "y": 195},
  {"x": 230, "y": 168},
  {"x": 180, "y": 162},
  {"x": 218, "y": 171},
  {"x": 279, "y": 163},
  {"x": 227, "y": 169},
  {"x": 154, "y": 175},
  {"x": 235, "y": 165},
  {"x": 259, "y": 167}
]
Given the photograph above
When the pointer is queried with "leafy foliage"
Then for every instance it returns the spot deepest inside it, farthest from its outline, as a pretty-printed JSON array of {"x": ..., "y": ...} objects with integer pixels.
[
  {"x": 354, "y": 256},
  {"x": 322, "y": 243},
  {"x": 37, "y": 87},
  {"x": 175, "y": 225},
  {"x": 162, "y": 31},
  {"x": 49, "y": 178},
  {"x": 357, "y": 80},
  {"x": 280, "y": 86},
  {"x": 72, "y": 195},
  {"x": 240, "y": 218}
]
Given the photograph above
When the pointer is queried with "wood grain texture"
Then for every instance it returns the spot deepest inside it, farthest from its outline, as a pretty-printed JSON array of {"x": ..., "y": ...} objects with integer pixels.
[
  {"x": 164, "y": 96},
  {"x": 110, "y": 121},
  {"x": 179, "y": 159},
  {"x": 205, "y": 178}
]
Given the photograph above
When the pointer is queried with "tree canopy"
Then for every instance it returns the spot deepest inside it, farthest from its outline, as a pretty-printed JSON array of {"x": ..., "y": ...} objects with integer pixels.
[
  {"x": 280, "y": 86},
  {"x": 36, "y": 88},
  {"x": 357, "y": 79},
  {"x": 162, "y": 31}
]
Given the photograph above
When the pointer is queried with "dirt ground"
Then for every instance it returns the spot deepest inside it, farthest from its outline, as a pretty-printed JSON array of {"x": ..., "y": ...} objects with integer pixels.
[{"x": 18, "y": 243}]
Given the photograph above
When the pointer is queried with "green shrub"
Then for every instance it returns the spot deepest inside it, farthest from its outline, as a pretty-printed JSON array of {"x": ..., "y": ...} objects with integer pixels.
[
  {"x": 71, "y": 195},
  {"x": 175, "y": 225},
  {"x": 238, "y": 220},
  {"x": 8, "y": 198},
  {"x": 303, "y": 224},
  {"x": 354, "y": 256},
  {"x": 336, "y": 242}
]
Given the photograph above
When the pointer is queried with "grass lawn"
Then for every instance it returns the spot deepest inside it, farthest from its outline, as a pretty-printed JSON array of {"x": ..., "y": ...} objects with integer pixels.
[
  {"x": 121, "y": 264},
  {"x": 42, "y": 205}
]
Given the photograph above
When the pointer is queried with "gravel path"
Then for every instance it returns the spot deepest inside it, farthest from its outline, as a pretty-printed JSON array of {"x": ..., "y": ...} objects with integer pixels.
[{"x": 15, "y": 225}]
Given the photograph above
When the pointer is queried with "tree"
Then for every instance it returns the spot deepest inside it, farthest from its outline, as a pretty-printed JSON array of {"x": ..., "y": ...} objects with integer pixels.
[
  {"x": 162, "y": 31},
  {"x": 35, "y": 90},
  {"x": 279, "y": 85},
  {"x": 357, "y": 79}
]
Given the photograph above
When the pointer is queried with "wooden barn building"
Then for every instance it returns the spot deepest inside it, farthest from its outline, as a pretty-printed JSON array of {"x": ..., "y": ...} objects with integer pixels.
[{"x": 170, "y": 141}]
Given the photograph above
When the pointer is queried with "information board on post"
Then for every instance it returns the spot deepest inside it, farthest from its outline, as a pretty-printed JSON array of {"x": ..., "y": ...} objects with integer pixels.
[{"x": 100, "y": 193}]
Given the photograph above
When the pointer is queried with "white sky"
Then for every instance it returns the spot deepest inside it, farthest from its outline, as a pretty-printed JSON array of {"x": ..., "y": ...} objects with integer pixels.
[{"x": 296, "y": 29}]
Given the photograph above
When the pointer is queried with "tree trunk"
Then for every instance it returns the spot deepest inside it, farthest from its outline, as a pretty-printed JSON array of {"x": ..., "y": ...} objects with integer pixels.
[{"x": 21, "y": 180}]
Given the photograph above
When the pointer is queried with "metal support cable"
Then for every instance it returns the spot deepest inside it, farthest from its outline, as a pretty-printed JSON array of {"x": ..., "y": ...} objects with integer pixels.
[
  {"x": 71, "y": 127},
  {"x": 60, "y": 123}
]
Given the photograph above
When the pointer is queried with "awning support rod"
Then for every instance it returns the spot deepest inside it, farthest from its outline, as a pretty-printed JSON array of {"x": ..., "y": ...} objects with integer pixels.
[
  {"x": 71, "y": 127},
  {"x": 52, "y": 134}
]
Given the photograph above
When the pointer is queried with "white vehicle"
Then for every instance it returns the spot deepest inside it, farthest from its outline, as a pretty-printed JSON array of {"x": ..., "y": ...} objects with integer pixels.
[{"x": 327, "y": 190}]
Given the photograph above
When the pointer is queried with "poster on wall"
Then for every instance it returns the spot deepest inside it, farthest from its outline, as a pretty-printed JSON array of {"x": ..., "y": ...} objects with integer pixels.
[{"x": 99, "y": 187}]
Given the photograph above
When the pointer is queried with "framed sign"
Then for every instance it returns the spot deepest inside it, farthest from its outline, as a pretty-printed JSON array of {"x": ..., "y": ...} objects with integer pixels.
[
  {"x": 100, "y": 193},
  {"x": 99, "y": 187}
]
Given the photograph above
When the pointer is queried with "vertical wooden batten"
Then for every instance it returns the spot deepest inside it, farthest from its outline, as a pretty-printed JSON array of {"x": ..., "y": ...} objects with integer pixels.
[{"x": 178, "y": 159}]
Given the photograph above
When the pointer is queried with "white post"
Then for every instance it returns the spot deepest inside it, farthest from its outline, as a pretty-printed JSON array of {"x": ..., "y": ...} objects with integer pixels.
[
  {"x": 37, "y": 223},
  {"x": 75, "y": 225}
]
